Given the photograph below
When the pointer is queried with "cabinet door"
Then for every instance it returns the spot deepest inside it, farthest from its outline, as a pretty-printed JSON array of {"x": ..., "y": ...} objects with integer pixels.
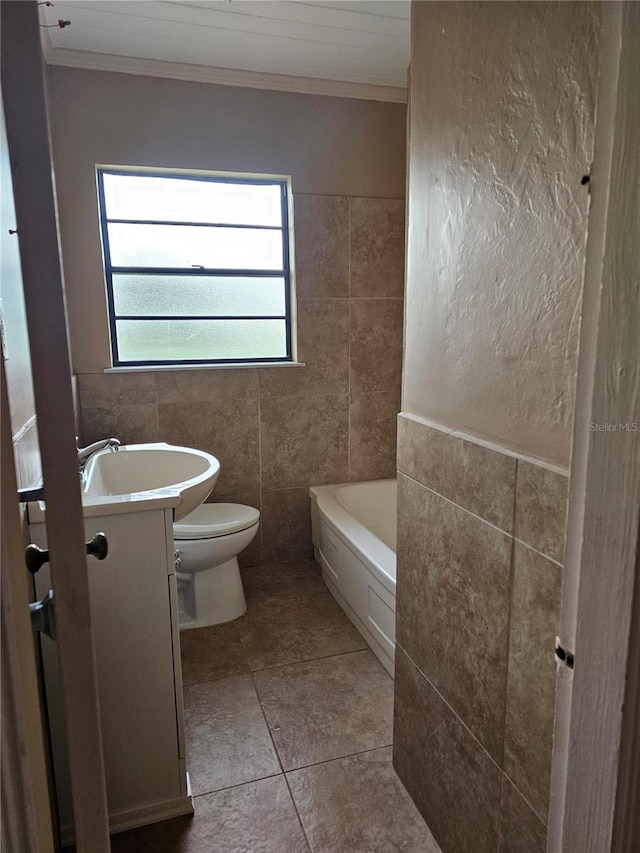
[{"x": 131, "y": 616}]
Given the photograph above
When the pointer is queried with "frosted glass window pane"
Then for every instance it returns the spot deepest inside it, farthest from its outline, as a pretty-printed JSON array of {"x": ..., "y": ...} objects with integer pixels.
[
  {"x": 188, "y": 200},
  {"x": 181, "y": 340},
  {"x": 219, "y": 295},
  {"x": 189, "y": 246}
]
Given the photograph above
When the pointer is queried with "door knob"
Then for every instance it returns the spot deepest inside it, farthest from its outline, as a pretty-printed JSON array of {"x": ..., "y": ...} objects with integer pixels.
[{"x": 35, "y": 557}]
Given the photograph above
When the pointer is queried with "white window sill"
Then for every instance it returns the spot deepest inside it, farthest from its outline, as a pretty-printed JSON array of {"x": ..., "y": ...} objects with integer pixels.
[{"x": 155, "y": 368}]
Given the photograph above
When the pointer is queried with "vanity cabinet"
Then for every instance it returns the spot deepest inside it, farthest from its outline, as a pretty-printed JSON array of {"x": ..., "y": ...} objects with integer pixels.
[{"x": 134, "y": 614}]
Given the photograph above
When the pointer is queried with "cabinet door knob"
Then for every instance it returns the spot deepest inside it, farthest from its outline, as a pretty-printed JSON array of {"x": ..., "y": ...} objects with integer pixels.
[
  {"x": 35, "y": 558},
  {"x": 98, "y": 547}
]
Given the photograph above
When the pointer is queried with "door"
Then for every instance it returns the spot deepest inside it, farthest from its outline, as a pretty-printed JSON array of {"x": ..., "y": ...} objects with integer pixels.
[
  {"x": 24, "y": 100},
  {"x": 26, "y": 815},
  {"x": 596, "y": 761}
]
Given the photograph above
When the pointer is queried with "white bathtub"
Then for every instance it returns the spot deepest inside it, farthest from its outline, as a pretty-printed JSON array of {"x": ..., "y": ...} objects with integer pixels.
[{"x": 354, "y": 540}]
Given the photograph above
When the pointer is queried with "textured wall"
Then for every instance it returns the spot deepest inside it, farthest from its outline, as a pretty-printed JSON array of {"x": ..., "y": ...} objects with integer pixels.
[
  {"x": 502, "y": 111},
  {"x": 277, "y": 431},
  {"x": 502, "y": 118},
  {"x": 329, "y": 146}
]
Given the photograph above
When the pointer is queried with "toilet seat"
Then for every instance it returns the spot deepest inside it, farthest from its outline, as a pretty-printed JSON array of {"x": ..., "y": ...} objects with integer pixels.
[{"x": 210, "y": 521}]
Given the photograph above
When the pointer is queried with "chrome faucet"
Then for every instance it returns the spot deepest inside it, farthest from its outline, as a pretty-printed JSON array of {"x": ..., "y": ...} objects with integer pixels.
[{"x": 84, "y": 453}]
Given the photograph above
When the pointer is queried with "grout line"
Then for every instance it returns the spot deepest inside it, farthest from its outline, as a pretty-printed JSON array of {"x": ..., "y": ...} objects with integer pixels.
[
  {"x": 349, "y": 348},
  {"x": 458, "y": 506},
  {"x": 468, "y": 730},
  {"x": 248, "y": 671},
  {"x": 282, "y": 562},
  {"x": 309, "y": 660},
  {"x": 451, "y": 709},
  {"x": 298, "y": 815},
  {"x": 338, "y": 758},
  {"x": 260, "y": 468},
  {"x": 288, "y": 489},
  {"x": 355, "y": 196},
  {"x": 309, "y": 396},
  {"x": 349, "y": 244},
  {"x": 272, "y": 666},
  {"x": 215, "y": 680},
  {"x": 306, "y": 596},
  {"x": 237, "y": 785},
  {"x": 509, "y": 780},
  {"x": 266, "y": 722},
  {"x": 285, "y": 773},
  {"x": 484, "y": 520},
  {"x": 500, "y": 801},
  {"x": 512, "y": 569},
  {"x": 539, "y": 553},
  {"x": 156, "y": 408},
  {"x": 313, "y": 299},
  {"x": 282, "y": 771}
]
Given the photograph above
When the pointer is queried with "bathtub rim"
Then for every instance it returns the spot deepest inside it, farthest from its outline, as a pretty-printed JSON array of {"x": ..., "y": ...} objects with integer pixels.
[{"x": 368, "y": 547}]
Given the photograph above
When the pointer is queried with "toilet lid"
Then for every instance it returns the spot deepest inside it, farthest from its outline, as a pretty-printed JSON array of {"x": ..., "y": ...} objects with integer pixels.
[{"x": 210, "y": 520}]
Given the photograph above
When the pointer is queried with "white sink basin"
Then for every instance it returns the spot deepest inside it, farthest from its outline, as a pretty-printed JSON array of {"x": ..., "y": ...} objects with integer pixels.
[{"x": 136, "y": 471}]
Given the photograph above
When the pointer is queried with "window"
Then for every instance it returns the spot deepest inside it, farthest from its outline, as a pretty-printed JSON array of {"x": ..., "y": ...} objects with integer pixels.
[{"x": 197, "y": 267}]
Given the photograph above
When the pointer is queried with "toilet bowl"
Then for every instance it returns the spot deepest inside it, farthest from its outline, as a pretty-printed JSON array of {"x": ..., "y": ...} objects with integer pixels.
[{"x": 207, "y": 544}]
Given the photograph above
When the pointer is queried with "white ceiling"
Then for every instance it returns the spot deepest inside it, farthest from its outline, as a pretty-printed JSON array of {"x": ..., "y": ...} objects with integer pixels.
[{"x": 357, "y": 49}]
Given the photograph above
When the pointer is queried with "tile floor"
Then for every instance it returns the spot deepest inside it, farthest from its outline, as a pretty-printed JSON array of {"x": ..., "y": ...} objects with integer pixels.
[{"x": 288, "y": 727}]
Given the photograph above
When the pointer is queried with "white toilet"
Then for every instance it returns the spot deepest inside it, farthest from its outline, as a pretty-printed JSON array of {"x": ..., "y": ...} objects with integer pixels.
[{"x": 207, "y": 543}]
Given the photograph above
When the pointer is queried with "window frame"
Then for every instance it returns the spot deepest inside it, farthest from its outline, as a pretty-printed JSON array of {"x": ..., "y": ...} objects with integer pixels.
[{"x": 287, "y": 271}]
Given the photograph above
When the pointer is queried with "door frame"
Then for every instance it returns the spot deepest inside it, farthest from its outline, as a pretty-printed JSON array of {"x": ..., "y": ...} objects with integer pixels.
[
  {"x": 595, "y": 776},
  {"x": 25, "y": 105}
]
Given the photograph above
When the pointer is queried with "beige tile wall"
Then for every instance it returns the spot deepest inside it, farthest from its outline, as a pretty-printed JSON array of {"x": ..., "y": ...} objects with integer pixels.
[
  {"x": 480, "y": 550},
  {"x": 277, "y": 431}
]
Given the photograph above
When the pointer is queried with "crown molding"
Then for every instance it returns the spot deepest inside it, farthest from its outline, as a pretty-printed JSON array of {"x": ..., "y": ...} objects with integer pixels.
[{"x": 223, "y": 76}]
